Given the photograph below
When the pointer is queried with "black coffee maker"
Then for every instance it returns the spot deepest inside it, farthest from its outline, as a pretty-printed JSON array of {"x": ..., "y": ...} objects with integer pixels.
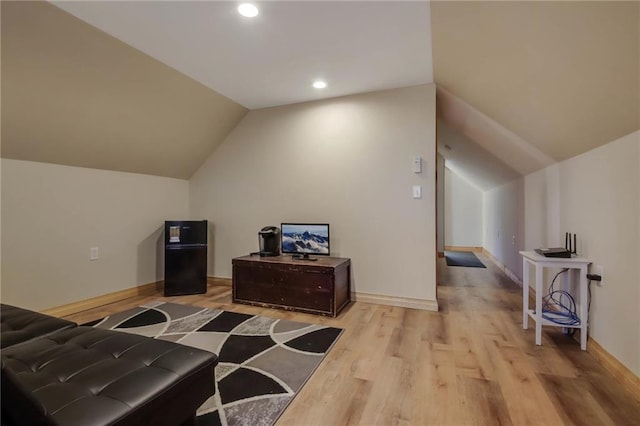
[{"x": 269, "y": 241}]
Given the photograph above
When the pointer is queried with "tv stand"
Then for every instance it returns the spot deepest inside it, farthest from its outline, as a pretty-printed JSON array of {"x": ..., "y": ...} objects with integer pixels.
[
  {"x": 304, "y": 256},
  {"x": 315, "y": 286}
]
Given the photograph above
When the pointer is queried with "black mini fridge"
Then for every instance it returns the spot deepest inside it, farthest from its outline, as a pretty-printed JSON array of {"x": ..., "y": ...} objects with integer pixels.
[{"x": 185, "y": 257}]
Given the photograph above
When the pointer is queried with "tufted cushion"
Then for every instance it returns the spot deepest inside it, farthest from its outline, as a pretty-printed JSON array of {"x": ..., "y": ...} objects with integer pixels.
[
  {"x": 20, "y": 325},
  {"x": 88, "y": 376}
]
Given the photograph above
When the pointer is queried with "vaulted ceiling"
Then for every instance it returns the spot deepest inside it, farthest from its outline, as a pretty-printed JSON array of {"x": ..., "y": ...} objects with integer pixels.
[
  {"x": 73, "y": 95},
  {"x": 272, "y": 59},
  {"x": 562, "y": 76},
  {"x": 154, "y": 87}
]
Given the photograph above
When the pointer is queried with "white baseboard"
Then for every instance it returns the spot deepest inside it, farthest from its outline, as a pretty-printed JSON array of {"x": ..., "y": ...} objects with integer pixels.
[
  {"x": 509, "y": 273},
  {"x": 402, "y": 302}
]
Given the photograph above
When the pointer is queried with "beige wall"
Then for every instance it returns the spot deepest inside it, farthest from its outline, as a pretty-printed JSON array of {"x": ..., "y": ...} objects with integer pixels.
[
  {"x": 599, "y": 200},
  {"x": 462, "y": 211},
  {"x": 52, "y": 215},
  {"x": 346, "y": 161}
]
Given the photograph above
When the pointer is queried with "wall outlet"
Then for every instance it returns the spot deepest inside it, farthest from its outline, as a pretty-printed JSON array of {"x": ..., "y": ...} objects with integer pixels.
[
  {"x": 513, "y": 240},
  {"x": 94, "y": 253},
  {"x": 599, "y": 270}
]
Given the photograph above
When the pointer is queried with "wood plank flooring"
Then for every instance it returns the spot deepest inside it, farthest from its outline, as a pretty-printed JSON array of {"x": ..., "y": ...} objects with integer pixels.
[{"x": 469, "y": 364}]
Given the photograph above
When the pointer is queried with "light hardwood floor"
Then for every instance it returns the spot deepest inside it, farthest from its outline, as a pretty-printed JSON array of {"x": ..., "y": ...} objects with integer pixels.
[{"x": 469, "y": 364}]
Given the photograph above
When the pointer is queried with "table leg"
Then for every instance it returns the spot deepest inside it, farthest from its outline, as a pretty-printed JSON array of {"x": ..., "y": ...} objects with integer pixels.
[
  {"x": 584, "y": 307},
  {"x": 566, "y": 279},
  {"x": 525, "y": 294},
  {"x": 538, "y": 305}
]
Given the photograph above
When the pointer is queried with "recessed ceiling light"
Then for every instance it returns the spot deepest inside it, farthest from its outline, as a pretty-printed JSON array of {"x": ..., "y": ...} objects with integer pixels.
[
  {"x": 249, "y": 10},
  {"x": 319, "y": 84}
]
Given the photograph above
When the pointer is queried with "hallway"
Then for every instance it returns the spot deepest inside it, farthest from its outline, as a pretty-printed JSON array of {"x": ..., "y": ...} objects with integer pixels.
[{"x": 501, "y": 373}]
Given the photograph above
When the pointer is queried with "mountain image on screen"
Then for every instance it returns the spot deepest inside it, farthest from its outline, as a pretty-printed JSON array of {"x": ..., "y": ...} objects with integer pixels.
[{"x": 305, "y": 242}]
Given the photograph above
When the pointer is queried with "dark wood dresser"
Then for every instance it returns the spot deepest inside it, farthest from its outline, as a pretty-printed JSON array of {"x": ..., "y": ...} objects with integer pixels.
[{"x": 316, "y": 287}]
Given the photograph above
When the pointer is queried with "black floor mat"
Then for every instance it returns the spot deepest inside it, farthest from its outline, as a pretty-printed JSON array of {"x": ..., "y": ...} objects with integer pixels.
[{"x": 463, "y": 258}]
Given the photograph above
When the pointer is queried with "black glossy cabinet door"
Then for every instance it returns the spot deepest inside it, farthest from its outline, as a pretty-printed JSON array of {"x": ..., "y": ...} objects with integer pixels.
[
  {"x": 185, "y": 257},
  {"x": 185, "y": 271}
]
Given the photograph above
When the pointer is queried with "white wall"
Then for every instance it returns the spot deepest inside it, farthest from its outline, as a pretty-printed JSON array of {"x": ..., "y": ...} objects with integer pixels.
[
  {"x": 599, "y": 203},
  {"x": 440, "y": 176},
  {"x": 542, "y": 212},
  {"x": 503, "y": 224},
  {"x": 346, "y": 161},
  {"x": 599, "y": 200},
  {"x": 0, "y": 231},
  {"x": 462, "y": 212},
  {"x": 52, "y": 215}
]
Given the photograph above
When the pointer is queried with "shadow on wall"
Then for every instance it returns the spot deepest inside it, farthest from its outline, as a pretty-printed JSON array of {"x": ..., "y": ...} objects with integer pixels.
[
  {"x": 503, "y": 215},
  {"x": 150, "y": 266},
  {"x": 211, "y": 249}
]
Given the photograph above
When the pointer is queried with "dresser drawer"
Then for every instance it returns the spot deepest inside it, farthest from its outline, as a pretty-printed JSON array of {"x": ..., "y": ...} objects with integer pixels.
[{"x": 301, "y": 286}]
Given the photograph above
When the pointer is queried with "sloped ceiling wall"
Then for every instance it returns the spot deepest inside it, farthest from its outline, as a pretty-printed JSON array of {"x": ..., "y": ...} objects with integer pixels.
[
  {"x": 490, "y": 136},
  {"x": 472, "y": 161},
  {"x": 74, "y": 95},
  {"x": 563, "y": 76}
]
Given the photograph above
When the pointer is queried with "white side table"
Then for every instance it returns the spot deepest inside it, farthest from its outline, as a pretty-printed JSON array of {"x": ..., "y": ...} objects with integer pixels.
[{"x": 575, "y": 265}]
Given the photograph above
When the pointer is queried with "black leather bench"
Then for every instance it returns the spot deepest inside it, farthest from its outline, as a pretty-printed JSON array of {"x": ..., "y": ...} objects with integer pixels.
[
  {"x": 85, "y": 376},
  {"x": 19, "y": 325}
]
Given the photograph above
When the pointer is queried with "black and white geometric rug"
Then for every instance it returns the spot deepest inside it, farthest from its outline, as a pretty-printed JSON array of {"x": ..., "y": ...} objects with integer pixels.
[{"x": 263, "y": 362}]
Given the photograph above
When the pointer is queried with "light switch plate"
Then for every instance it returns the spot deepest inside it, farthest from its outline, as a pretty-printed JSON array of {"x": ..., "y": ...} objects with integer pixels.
[
  {"x": 417, "y": 191},
  {"x": 417, "y": 164}
]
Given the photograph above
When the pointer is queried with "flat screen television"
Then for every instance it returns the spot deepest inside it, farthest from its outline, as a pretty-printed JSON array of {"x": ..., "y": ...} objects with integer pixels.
[{"x": 303, "y": 239}]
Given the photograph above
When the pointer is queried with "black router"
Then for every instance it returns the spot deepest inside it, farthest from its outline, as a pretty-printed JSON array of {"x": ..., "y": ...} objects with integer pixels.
[{"x": 560, "y": 252}]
